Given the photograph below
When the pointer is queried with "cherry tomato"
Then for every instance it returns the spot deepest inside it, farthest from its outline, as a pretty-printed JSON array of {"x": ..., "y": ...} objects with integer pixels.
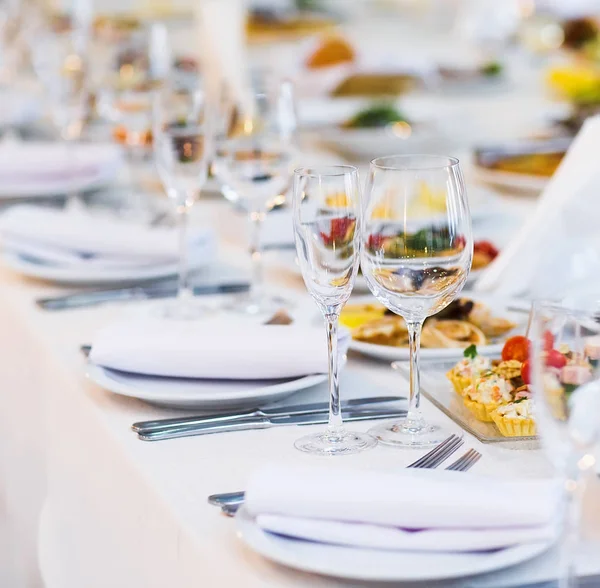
[
  {"x": 486, "y": 248},
  {"x": 526, "y": 372},
  {"x": 548, "y": 341},
  {"x": 516, "y": 348},
  {"x": 556, "y": 359}
]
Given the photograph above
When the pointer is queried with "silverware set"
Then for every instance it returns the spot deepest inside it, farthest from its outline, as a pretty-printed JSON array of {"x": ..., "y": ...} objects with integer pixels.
[
  {"x": 154, "y": 290},
  {"x": 229, "y": 502},
  {"x": 302, "y": 414}
]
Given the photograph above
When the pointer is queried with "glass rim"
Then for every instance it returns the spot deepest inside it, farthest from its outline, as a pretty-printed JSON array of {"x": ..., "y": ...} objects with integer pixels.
[
  {"x": 332, "y": 171},
  {"x": 378, "y": 162}
]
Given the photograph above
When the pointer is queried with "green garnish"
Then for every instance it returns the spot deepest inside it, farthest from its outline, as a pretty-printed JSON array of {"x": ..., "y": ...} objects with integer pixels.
[
  {"x": 492, "y": 69},
  {"x": 379, "y": 115},
  {"x": 470, "y": 351},
  {"x": 570, "y": 388},
  {"x": 519, "y": 400}
]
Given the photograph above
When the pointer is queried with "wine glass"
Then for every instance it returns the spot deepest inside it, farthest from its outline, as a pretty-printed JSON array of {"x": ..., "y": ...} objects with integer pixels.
[
  {"x": 327, "y": 217},
  {"x": 255, "y": 164},
  {"x": 417, "y": 248},
  {"x": 59, "y": 60},
  {"x": 182, "y": 148},
  {"x": 566, "y": 404}
]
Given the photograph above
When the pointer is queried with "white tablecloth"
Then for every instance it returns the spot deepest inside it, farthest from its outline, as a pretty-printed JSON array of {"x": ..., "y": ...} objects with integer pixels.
[{"x": 115, "y": 511}]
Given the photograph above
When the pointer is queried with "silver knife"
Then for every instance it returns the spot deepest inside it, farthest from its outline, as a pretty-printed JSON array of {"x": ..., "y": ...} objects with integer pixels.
[
  {"x": 162, "y": 290},
  {"x": 266, "y": 423},
  {"x": 298, "y": 409}
]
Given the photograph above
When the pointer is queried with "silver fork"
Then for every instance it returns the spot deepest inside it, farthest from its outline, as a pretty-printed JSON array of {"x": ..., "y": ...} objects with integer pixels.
[
  {"x": 466, "y": 461},
  {"x": 229, "y": 502}
]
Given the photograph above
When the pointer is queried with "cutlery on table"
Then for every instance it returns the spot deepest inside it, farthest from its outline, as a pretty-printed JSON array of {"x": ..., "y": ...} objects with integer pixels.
[
  {"x": 148, "y": 292},
  {"x": 299, "y": 409},
  {"x": 229, "y": 502},
  {"x": 265, "y": 422},
  {"x": 466, "y": 461}
]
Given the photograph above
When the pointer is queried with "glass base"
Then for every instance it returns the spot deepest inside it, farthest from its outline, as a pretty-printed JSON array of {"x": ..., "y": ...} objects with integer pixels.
[
  {"x": 182, "y": 310},
  {"x": 338, "y": 443},
  {"x": 251, "y": 305},
  {"x": 405, "y": 433}
]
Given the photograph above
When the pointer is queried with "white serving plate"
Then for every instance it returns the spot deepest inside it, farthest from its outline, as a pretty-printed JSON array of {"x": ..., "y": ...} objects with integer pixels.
[
  {"x": 388, "y": 353},
  {"x": 187, "y": 393},
  {"x": 370, "y": 565},
  {"x": 89, "y": 276}
]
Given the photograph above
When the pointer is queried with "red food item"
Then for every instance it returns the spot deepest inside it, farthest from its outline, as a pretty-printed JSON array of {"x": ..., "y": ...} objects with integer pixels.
[
  {"x": 486, "y": 248},
  {"x": 548, "y": 338},
  {"x": 375, "y": 241},
  {"x": 516, "y": 348},
  {"x": 555, "y": 358},
  {"x": 339, "y": 228},
  {"x": 526, "y": 372}
]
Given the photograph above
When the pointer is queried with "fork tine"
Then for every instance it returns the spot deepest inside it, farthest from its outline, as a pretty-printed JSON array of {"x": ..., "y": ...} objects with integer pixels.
[
  {"x": 442, "y": 456},
  {"x": 466, "y": 461},
  {"x": 474, "y": 459},
  {"x": 437, "y": 449},
  {"x": 456, "y": 465}
]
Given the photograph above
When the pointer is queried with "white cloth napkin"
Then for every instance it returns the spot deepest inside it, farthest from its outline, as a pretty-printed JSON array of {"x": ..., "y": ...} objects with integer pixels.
[
  {"x": 554, "y": 247},
  {"x": 403, "y": 510},
  {"x": 27, "y": 166},
  {"x": 76, "y": 237},
  {"x": 214, "y": 349}
]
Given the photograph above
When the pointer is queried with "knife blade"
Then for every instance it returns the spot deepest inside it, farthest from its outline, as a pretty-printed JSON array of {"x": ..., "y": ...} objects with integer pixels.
[
  {"x": 266, "y": 423},
  {"x": 161, "y": 290},
  {"x": 298, "y": 409}
]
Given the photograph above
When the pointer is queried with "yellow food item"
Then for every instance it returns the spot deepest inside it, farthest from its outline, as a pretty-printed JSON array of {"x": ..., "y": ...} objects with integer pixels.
[
  {"x": 482, "y": 412},
  {"x": 338, "y": 200},
  {"x": 261, "y": 29},
  {"x": 355, "y": 315},
  {"x": 387, "y": 330},
  {"x": 427, "y": 201},
  {"x": 514, "y": 427},
  {"x": 459, "y": 383},
  {"x": 531, "y": 164},
  {"x": 333, "y": 50},
  {"x": 375, "y": 85},
  {"x": 579, "y": 83}
]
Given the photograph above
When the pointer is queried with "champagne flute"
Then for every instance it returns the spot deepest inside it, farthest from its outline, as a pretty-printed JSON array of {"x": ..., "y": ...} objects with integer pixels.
[
  {"x": 327, "y": 216},
  {"x": 566, "y": 405},
  {"x": 415, "y": 263},
  {"x": 255, "y": 165},
  {"x": 182, "y": 148}
]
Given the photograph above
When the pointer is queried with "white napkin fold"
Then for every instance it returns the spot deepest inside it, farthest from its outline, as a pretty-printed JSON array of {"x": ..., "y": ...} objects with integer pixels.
[
  {"x": 25, "y": 165},
  {"x": 213, "y": 349},
  {"x": 404, "y": 510},
  {"x": 540, "y": 258},
  {"x": 78, "y": 237}
]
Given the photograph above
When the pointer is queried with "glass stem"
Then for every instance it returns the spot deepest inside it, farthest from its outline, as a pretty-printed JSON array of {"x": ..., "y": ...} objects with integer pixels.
[
  {"x": 414, "y": 420},
  {"x": 73, "y": 195},
  {"x": 256, "y": 282},
  {"x": 567, "y": 577},
  {"x": 184, "y": 292},
  {"x": 335, "y": 414}
]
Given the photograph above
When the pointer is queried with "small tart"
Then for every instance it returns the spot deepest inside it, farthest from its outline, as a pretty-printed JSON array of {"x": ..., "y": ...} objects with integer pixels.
[
  {"x": 480, "y": 411},
  {"x": 460, "y": 383},
  {"x": 514, "y": 427}
]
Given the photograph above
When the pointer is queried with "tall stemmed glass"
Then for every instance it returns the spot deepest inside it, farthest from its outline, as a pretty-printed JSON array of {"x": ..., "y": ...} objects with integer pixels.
[
  {"x": 59, "y": 61},
  {"x": 566, "y": 406},
  {"x": 183, "y": 148},
  {"x": 415, "y": 265},
  {"x": 255, "y": 166},
  {"x": 327, "y": 217}
]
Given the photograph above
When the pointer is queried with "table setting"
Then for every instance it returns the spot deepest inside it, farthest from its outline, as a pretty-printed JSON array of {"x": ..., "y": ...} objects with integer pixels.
[{"x": 298, "y": 294}]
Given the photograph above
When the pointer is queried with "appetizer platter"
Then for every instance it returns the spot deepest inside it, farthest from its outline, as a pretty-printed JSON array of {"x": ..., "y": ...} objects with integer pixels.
[
  {"x": 491, "y": 397},
  {"x": 522, "y": 166},
  {"x": 378, "y": 333}
]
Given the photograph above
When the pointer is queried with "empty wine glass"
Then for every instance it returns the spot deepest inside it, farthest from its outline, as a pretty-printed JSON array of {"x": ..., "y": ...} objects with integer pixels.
[
  {"x": 255, "y": 166},
  {"x": 59, "y": 61},
  {"x": 417, "y": 248},
  {"x": 327, "y": 216},
  {"x": 566, "y": 399},
  {"x": 182, "y": 147}
]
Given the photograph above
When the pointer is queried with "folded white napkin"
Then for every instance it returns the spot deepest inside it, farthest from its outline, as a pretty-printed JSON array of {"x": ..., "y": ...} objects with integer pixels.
[
  {"x": 543, "y": 258},
  {"x": 213, "y": 349},
  {"x": 77, "y": 237},
  {"x": 25, "y": 166},
  {"x": 403, "y": 510}
]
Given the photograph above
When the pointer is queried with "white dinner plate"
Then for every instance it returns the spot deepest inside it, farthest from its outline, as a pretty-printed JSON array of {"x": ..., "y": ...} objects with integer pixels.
[
  {"x": 389, "y": 353},
  {"x": 33, "y": 267},
  {"x": 199, "y": 394},
  {"x": 370, "y": 565}
]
